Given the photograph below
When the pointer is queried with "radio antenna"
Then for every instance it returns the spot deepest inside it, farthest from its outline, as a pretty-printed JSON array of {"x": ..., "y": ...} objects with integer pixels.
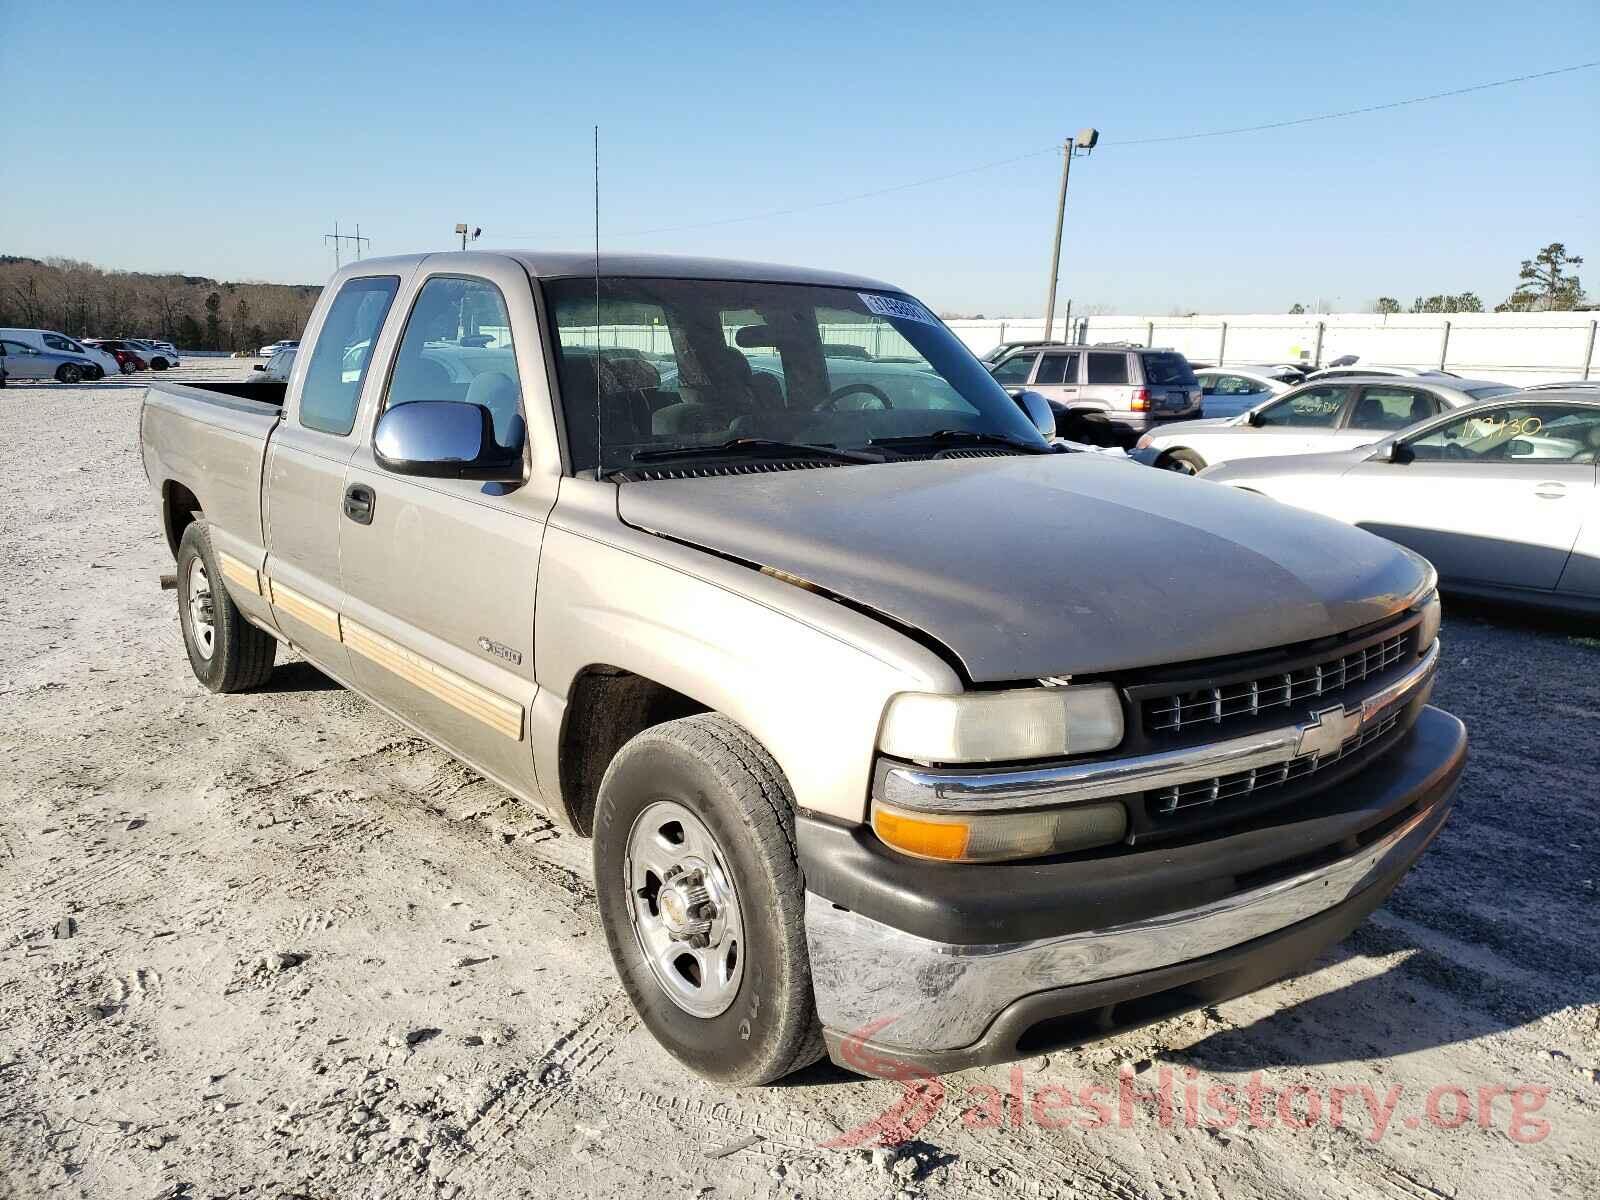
[{"x": 599, "y": 452}]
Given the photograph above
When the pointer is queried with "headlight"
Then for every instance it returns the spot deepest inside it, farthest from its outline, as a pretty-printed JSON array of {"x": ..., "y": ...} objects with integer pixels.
[
  {"x": 990, "y": 837},
  {"x": 1432, "y": 615},
  {"x": 975, "y": 727},
  {"x": 1143, "y": 443}
]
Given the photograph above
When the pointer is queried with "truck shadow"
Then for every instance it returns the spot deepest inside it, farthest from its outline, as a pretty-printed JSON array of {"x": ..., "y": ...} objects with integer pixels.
[{"x": 297, "y": 676}]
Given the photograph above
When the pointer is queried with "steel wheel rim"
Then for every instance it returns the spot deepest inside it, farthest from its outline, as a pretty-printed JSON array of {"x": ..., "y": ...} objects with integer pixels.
[
  {"x": 683, "y": 909},
  {"x": 202, "y": 616}
]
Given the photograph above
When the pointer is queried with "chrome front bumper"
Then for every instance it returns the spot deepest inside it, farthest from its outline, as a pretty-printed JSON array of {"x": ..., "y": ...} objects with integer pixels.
[{"x": 928, "y": 997}]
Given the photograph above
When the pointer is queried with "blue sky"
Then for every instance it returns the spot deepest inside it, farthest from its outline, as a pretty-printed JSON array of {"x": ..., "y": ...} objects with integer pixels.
[{"x": 225, "y": 143}]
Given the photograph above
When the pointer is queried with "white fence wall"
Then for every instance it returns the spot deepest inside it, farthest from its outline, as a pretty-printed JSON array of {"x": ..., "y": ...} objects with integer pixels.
[{"x": 1515, "y": 347}]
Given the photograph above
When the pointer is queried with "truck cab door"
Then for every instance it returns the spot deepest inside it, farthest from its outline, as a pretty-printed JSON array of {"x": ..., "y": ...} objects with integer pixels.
[
  {"x": 303, "y": 481},
  {"x": 440, "y": 574}
]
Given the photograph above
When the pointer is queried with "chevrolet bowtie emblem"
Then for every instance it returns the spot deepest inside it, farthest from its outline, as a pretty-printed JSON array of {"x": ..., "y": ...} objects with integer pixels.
[{"x": 1328, "y": 730}]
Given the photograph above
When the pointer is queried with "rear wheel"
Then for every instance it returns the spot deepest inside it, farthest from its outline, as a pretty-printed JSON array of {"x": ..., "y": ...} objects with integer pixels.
[
  {"x": 226, "y": 652},
  {"x": 127, "y": 367},
  {"x": 1184, "y": 462},
  {"x": 68, "y": 373},
  {"x": 702, "y": 900}
]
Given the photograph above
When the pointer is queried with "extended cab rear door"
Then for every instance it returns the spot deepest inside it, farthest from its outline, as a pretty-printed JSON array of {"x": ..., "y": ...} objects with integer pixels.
[
  {"x": 440, "y": 574},
  {"x": 307, "y": 456}
]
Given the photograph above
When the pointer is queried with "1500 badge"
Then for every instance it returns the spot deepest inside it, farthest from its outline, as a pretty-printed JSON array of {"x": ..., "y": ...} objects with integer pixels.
[{"x": 499, "y": 650}]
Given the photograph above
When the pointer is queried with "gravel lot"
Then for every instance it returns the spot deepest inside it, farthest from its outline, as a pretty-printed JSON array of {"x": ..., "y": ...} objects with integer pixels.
[{"x": 273, "y": 945}]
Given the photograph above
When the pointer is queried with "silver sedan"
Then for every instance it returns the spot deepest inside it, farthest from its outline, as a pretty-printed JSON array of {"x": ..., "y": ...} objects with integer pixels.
[{"x": 1503, "y": 497}]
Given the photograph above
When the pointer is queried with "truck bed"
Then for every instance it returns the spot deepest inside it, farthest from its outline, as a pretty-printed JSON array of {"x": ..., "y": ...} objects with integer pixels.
[{"x": 215, "y": 440}]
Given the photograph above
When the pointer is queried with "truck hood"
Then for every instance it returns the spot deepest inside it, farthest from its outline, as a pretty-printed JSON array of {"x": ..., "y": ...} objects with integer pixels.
[{"x": 1037, "y": 565}]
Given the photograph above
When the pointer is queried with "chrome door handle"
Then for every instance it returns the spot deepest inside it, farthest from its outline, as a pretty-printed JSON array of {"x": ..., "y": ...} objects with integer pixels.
[{"x": 1550, "y": 491}]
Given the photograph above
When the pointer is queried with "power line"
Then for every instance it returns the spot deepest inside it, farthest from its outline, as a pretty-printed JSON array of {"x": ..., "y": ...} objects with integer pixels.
[
  {"x": 1056, "y": 149},
  {"x": 1356, "y": 112}
]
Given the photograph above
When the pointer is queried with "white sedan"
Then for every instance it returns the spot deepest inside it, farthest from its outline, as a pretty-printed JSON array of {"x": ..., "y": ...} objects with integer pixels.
[
  {"x": 1230, "y": 391},
  {"x": 1502, "y": 497},
  {"x": 1311, "y": 418}
]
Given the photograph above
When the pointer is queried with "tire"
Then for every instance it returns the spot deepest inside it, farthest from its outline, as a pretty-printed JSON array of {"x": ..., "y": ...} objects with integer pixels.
[
  {"x": 1182, "y": 461},
  {"x": 758, "y": 1022},
  {"x": 158, "y": 364},
  {"x": 127, "y": 367},
  {"x": 69, "y": 374},
  {"x": 235, "y": 656}
]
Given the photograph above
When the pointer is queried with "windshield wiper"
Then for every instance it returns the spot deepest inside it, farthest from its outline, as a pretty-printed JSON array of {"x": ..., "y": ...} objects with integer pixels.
[
  {"x": 754, "y": 447},
  {"x": 967, "y": 437}
]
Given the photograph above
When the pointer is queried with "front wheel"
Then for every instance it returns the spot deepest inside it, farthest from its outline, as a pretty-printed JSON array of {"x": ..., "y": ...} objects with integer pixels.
[
  {"x": 67, "y": 373},
  {"x": 702, "y": 900},
  {"x": 227, "y": 653},
  {"x": 1184, "y": 462},
  {"x": 158, "y": 364}
]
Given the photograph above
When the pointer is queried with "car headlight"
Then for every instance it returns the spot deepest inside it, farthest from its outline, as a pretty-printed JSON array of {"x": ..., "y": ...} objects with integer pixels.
[
  {"x": 1143, "y": 443},
  {"x": 1023, "y": 723},
  {"x": 1432, "y": 615},
  {"x": 992, "y": 837}
]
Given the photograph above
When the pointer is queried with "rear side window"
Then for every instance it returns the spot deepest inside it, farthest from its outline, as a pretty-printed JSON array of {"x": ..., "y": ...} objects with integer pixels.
[
  {"x": 1014, "y": 370},
  {"x": 332, "y": 387},
  {"x": 1058, "y": 368},
  {"x": 1108, "y": 368},
  {"x": 1386, "y": 407},
  {"x": 1168, "y": 369}
]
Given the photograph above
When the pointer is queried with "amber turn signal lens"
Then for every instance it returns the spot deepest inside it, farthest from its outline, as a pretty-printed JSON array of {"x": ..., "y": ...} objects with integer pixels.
[{"x": 921, "y": 836}]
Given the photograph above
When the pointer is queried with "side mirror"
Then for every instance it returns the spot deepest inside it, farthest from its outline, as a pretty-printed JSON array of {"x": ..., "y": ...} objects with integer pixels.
[
  {"x": 1401, "y": 453},
  {"x": 1254, "y": 419},
  {"x": 1038, "y": 411},
  {"x": 440, "y": 439}
]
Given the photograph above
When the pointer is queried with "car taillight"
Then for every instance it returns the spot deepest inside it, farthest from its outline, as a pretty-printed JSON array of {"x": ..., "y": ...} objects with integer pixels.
[{"x": 1141, "y": 399}]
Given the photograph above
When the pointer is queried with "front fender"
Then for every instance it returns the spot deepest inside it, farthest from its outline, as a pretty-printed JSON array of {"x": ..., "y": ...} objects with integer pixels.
[{"x": 807, "y": 676}]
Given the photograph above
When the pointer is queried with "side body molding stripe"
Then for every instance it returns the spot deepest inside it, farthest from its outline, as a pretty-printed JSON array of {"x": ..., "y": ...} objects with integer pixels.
[{"x": 500, "y": 714}]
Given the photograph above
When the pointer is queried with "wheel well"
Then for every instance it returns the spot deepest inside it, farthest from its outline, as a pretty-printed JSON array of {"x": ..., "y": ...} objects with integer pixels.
[
  {"x": 605, "y": 708},
  {"x": 178, "y": 508}
]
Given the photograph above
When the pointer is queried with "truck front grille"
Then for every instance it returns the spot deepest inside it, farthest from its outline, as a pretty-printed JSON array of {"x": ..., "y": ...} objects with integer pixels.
[
  {"x": 1244, "y": 699},
  {"x": 1224, "y": 788}
]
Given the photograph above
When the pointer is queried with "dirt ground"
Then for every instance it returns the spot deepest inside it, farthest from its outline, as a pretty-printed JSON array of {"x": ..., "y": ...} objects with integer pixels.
[{"x": 271, "y": 945}]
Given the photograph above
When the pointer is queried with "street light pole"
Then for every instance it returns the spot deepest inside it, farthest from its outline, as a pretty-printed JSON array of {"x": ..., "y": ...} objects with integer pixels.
[
  {"x": 1055, "y": 253},
  {"x": 1085, "y": 141}
]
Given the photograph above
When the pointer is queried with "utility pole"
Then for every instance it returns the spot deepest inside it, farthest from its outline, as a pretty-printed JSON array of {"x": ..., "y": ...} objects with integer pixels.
[
  {"x": 467, "y": 235},
  {"x": 338, "y": 239},
  {"x": 1085, "y": 141}
]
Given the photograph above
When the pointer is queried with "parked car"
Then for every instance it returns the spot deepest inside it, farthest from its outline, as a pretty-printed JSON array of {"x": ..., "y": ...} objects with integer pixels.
[
  {"x": 164, "y": 352},
  {"x": 1229, "y": 391},
  {"x": 1501, "y": 497},
  {"x": 100, "y": 363},
  {"x": 1563, "y": 385},
  {"x": 26, "y": 361},
  {"x": 1352, "y": 370},
  {"x": 130, "y": 357},
  {"x": 1317, "y": 415},
  {"x": 996, "y": 353},
  {"x": 272, "y": 348},
  {"x": 274, "y": 372},
  {"x": 158, "y": 358},
  {"x": 1134, "y": 387},
  {"x": 898, "y": 733}
]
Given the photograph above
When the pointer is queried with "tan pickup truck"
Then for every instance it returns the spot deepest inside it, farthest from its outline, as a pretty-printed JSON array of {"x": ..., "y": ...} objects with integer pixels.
[{"x": 901, "y": 733}]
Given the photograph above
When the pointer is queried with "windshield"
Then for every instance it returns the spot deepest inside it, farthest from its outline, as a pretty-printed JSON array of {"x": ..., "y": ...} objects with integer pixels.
[
  {"x": 685, "y": 363},
  {"x": 1168, "y": 368}
]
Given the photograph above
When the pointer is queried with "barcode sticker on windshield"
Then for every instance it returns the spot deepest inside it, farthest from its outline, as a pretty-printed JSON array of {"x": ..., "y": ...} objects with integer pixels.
[{"x": 890, "y": 306}]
